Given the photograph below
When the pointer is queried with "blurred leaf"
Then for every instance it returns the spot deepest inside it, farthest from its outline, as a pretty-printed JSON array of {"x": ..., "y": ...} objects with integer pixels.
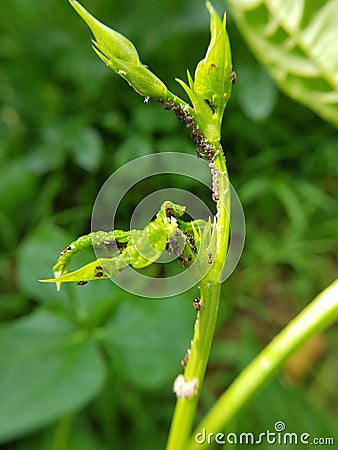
[
  {"x": 87, "y": 149},
  {"x": 16, "y": 185},
  {"x": 44, "y": 158},
  {"x": 256, "y": 93},
  {"x": 47, "y": 369},
  {"x": 147, "y": 339},
  {"x": 296, "y": 41},
  {"x": 36, "y": 256}
]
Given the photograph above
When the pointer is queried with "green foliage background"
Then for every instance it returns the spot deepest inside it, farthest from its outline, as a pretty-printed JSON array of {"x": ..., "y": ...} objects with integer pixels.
[{"x": 66, "y": 123}]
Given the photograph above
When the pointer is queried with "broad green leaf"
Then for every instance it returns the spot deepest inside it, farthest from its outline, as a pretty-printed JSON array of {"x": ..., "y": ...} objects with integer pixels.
[
  {"x": 118, "y": 53},
  {"x": 48, "y": 368},
  {"x": 297, "y": 42},
  {"x": 147, "y": 340}
]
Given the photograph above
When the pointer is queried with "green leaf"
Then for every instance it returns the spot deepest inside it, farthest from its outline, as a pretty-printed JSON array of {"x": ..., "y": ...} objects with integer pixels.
[
  {"x": 96, "y": 270},
  {"x": 297, "y": 42},
  {"x": 117, "y": 52},
  {"x": 146, "y": 340},
  {"x": 35, "y": 257},
  {"x": 88, "y": 149},
  {"x": 47, "y": 369},
  {"x": 139, "y": 248},
  {"x": 213, "y": 75},
  {"x": 258, "y": 94},
  {"x": 211, "y": 89}
]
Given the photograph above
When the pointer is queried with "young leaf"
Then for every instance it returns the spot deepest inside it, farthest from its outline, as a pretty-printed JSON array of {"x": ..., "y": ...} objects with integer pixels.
[
  {"x": 138, "y": 248},
  {"x": 213, "y": 75},
  {"x": 117, "y": 52},
  {"x": 211, "y": 89}
]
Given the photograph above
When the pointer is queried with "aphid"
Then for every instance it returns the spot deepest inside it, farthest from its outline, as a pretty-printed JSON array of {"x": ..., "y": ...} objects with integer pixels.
[
  {"x": 212, "y": 106},
  {"x": 169, "y": 212},
  {"x": 181, "y": 260},
  {"x": 199, "y": 154},
  {"x": 197, "y": 137},
  {"x": 185, "y": 360},
  {"x": 233, "y": 77},
  {"x": 121, "y": 245},
  {"x": 189, "y": 120},
  {"x": 215, "y": 197},
  {"x": 82, "y": 283},
  {"x": 179, "y": 112},
  {"x": 185, "y": 389},
  {"x": 146, "y": 99},
  {"x": 214, "y": 173},
  {"x": 212, "y": 66},
  {"x": 209, "y": 257},
  {"x": 209, "y": 151},
  {"x": 110, "y": 245},
  {"x": 198, "y": 304},
  {"x": 168, "y": 105},
  {"x": 67, "y": 249},
  {"x": 100, "y": 273},
  {"x": 175, "y": 246}
]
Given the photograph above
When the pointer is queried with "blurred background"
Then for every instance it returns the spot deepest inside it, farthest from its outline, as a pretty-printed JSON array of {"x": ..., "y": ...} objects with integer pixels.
[{"x": 66, "y": 123}]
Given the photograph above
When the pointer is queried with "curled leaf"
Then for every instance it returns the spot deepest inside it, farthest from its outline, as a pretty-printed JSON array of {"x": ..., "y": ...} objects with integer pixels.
[{"x": 138, "y": 248}]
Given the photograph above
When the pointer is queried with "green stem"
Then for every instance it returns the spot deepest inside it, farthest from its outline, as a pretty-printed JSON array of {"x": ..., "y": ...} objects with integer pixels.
[
  {"x": 318, "y": 315},
  {"x": 61, "y": 437},
  {"x": 204, "y": 330},
  {"x": 210, "y": 287}
]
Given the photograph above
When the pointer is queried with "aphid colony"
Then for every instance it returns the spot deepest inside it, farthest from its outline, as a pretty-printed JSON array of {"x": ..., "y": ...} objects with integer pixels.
[
  {"x": 119, "y": 249},
  {"x": 183, "y": 245},
  {"x": 204, "y": 148},
  {"x": 198, "y": 305}
]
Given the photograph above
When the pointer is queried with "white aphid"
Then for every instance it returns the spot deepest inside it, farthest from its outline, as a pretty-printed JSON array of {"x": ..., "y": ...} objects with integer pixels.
[{"x": 185, "y": 389}]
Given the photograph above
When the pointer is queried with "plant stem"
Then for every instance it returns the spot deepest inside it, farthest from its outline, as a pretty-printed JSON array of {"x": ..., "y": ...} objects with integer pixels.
[
  {"x": 210, "y": 287},
  {"x": 204, "y": 330},
  {"x": 61, "y": 436},
  {"x": 318, "y": 315}
]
